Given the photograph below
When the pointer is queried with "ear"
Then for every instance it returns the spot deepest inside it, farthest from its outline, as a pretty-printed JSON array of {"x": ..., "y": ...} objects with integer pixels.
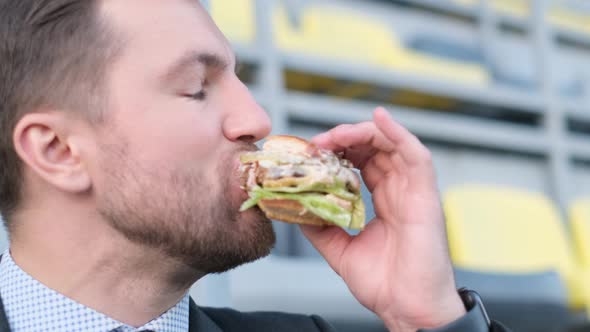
[{"x": 43, "y": 142}]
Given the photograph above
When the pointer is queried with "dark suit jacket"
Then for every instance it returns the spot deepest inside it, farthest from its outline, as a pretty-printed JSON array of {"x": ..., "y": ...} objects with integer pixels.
[{"x": 227, "y": 320}]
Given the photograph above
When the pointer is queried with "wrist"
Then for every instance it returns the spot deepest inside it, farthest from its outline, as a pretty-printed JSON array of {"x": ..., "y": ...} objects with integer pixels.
[
  {"x": 427, "y": 315},
  {"x": 476, "y": 319}
]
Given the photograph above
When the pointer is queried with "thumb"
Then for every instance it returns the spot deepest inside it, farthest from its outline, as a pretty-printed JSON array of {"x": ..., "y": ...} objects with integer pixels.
[{"x": 330, "y": 241}]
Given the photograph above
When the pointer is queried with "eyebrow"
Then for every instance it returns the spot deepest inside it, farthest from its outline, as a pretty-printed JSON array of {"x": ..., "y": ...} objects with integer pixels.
[{"x": 211, "y": 62}]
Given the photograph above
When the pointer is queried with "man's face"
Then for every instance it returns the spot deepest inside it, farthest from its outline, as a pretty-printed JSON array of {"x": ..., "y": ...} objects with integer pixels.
[{"x": 177, "y": 119}]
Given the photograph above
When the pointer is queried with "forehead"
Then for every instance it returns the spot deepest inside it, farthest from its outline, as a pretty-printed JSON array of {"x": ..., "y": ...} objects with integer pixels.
[{"x": 157, "y": 31}]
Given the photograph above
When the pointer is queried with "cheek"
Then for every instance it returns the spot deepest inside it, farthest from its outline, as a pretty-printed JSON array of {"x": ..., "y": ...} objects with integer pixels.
[
  {"x": 164, "y": 128},
  {"x": 175, "y": 136},
  {"x": 178, "y": 153}
]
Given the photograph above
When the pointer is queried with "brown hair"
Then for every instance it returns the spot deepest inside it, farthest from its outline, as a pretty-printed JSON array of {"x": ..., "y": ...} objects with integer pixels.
[{"x": 53, "y": 55}]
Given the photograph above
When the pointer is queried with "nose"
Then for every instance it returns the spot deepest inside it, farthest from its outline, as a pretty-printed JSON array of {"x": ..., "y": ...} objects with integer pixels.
[{"x": 245, "y": 120}]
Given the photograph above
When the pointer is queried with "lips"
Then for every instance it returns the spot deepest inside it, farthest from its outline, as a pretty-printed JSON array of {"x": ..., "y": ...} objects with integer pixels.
[
  {"x": 237, "y": 181},
  {"x": 234, "y": 176}
]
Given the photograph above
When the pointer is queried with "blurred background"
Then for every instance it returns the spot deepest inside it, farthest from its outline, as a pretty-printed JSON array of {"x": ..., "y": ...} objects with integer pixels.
[{"x": 499, "y": 90}]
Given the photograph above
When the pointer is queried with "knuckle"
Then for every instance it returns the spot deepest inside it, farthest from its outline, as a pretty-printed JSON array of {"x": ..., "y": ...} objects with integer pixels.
[
  {"x": 425, "y": 155},
  {"x": 344, "y": 126}
]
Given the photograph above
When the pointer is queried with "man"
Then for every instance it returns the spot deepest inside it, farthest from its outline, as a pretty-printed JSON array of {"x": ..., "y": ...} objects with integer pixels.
[{"x": 121, "y": 123}]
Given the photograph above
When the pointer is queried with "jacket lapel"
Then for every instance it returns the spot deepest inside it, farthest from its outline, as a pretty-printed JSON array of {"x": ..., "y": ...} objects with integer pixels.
[
  {"x": 4, "y": 327},
  {"x": 198, "y": 320},
  {"x": 3, "y": 320}
]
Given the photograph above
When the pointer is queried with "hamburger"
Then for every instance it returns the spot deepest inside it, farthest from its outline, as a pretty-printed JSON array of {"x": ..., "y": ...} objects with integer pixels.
[{"x": 294, "y": 181}]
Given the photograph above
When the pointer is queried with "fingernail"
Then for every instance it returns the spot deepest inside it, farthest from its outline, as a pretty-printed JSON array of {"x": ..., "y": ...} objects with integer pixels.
[
  {"x": 383, "y": 110},
  {"x": 320, "y": 137}
]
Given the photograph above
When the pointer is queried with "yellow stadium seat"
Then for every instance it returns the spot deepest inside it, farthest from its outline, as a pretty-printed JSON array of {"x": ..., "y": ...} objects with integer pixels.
[
  {"x": 579, "y": 214},
  {"x": 558, "y": 14},
  {"x": 309, "y": 82},
  {"x": 569, "y": 19},
  {"x": 503, "y": 230},
  {"x": 518, "y": 8},
  {"x": 409, "y": 61},
  {"x": 235, "y": 18},
  {"x": 420, "y": 100},
  {"x": 466, "y": 2},
  {"x": 340, "y": 34},
  {"x": 335, "y": 33}
]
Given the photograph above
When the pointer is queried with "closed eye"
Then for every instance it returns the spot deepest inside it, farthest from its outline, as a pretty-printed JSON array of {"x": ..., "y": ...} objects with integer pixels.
[{"x": 201, "y": 95}]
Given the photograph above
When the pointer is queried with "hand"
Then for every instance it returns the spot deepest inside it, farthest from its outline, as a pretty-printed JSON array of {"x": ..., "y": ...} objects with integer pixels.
[{"x": 399, "y": 266}]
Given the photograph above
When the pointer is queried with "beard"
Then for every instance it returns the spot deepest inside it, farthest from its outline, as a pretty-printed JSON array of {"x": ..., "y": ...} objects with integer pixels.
[{"x": 182, "y": 211}]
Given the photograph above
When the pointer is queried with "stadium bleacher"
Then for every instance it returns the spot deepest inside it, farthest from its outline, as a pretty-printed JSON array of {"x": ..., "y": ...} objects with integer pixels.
[
  {"x": 514, "y": 245},
  {"x": 559, "y": 15},
  {"x": 579, "y": 215},
  {"x": 342, "y": 34},
  {"x": 478, "y": 101},
  {"x": 505, "y": 230}
]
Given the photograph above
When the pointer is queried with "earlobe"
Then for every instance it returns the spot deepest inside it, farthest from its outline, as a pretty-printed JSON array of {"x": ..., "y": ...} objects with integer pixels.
[{"x": 44, "y": 144}]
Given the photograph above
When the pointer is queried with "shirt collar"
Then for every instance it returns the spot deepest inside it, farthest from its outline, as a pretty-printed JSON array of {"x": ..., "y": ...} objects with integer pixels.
[{"x": 33, "y": 307}]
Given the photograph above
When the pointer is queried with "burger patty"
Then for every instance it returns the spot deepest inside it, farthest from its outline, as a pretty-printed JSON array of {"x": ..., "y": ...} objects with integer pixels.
[{"x": 279, "y": 176}]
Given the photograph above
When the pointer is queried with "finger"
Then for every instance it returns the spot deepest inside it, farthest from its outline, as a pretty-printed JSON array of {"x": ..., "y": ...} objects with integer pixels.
[
  {"x": 330, "y": 242},
  {"x": 410, "y": 148},
  {"x": 325, "y": 141},
  {"x": 371, "y": 175},
  {"x": 364, "y": 134},
  {"x": 384, "y": 162},
  {"x": 359, "y": 156},
  {"x": 414, "y": 157}
]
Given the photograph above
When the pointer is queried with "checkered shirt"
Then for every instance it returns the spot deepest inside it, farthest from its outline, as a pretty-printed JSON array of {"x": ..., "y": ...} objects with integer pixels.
[{"x": 32, "y": 307}]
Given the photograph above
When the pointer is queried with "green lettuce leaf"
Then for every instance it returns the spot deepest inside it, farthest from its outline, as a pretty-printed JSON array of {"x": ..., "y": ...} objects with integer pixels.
[
  {"x": 358, "y": 215},
  {"x": 337, "y": 189},
  {"x": 255, "y": 196},
  {"x": 314, "y": 202}
]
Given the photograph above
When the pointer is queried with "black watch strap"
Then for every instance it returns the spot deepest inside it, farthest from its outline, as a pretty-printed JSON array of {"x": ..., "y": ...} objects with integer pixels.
[{"x": 476, "y": 319}]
